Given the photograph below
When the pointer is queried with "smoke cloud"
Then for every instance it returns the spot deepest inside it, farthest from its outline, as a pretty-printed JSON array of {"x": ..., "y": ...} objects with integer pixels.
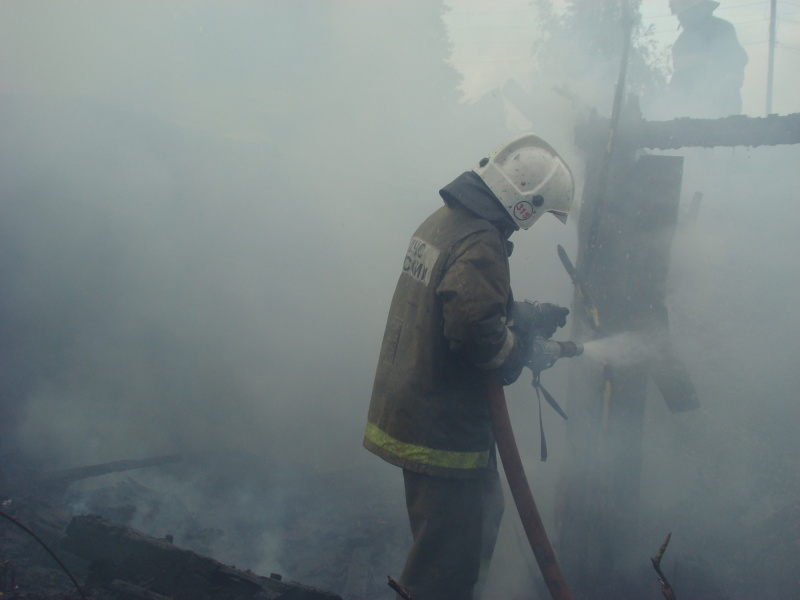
[{"x": 204, "y": 208}]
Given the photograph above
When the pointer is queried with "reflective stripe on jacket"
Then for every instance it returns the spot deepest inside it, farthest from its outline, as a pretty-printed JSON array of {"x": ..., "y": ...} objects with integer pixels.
[{"x": 446, "y": 331}]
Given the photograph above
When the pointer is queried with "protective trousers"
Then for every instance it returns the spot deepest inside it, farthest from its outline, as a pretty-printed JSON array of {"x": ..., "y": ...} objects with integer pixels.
[{"x": 454, "y": 524}]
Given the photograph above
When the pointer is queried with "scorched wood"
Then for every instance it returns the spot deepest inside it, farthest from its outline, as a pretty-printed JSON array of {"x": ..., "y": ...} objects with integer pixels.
[
  {"x": 118, "y": 552},
  {"x": 736, "y": 130}
]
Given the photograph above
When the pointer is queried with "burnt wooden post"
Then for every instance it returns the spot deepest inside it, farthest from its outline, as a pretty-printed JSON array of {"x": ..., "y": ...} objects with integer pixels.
[
  {"x": 624, "y": 269},
  {"x": 628, "y": 218}
]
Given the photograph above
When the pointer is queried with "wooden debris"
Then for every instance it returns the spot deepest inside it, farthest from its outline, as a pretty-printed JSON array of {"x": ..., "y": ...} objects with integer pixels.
[
  {"x": 399, "y": 589},
  {"x": 120, "y": 553},
  {"x": 666, "y": 588},
  {"x": 736, "y": 130}
]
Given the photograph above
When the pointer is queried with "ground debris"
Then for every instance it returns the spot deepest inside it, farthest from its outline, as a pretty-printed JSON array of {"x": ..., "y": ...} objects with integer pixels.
[
  {"x": 330, "y": 530},
  {"x": 108, "y": 557},
  {"x": 117, "y": 552}
]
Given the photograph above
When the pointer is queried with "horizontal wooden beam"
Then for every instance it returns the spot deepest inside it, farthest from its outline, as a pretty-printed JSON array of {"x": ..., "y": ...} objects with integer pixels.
[{"x": 736, "y": 130}]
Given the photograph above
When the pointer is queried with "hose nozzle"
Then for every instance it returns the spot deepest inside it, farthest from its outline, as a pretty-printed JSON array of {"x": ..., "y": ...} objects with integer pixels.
[
  {"x": 544, "y": 353},
  {"x": 570, "y": 349}
]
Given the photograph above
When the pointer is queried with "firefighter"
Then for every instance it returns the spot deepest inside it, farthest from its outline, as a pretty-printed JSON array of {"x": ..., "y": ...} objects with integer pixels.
[
  {"x": 708, "y": 62},
  {"x": 452, "y": 325}
]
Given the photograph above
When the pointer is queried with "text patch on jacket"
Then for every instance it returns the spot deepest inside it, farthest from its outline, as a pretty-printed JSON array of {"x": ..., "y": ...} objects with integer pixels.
[{"x": 420, "y": 259}]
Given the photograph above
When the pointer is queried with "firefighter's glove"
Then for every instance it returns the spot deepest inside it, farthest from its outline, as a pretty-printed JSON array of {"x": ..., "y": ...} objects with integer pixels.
[
  {"x": 512, "y": 368},
  {"x": 533, "y": 319}
]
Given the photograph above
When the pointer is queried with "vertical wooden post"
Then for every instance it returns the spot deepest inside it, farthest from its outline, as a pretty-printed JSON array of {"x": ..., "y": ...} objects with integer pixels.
[
  {"x": 598, "y": 497},
  {"x": 773, "y": 13}
]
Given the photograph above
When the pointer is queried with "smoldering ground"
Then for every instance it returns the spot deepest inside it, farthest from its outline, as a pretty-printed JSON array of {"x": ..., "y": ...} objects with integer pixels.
[{"x": 204, "y": 213}]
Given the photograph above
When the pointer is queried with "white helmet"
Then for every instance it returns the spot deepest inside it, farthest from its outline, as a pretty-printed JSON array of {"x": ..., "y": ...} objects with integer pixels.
[{"x": 529, "y": 178}]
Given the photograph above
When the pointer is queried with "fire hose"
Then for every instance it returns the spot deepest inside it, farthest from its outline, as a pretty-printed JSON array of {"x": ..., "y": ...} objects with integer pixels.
[{"x": 518, "y": 481}]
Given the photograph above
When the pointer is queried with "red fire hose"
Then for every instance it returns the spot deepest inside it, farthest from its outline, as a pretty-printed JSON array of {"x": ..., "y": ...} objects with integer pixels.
[{"x": 523, "y": 497}]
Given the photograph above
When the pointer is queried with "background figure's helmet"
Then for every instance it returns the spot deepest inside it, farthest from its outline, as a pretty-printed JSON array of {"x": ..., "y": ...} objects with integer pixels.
[
  {"x": 679, "y": 6},
  {"x": 529, "y": 178}
]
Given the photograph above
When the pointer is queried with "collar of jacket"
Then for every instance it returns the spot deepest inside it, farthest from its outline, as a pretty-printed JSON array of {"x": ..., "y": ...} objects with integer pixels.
[{"x": 469, "y": 191}]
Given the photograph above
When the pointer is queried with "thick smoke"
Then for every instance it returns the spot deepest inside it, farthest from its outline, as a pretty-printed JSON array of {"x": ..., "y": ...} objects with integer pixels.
[{"x": 204, "y": 206}]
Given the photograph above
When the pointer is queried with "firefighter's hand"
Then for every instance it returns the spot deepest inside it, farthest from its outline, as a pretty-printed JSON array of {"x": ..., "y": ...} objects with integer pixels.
[
  {"x": 534, "y": 319},
  {"x": 551, "y": 317}
]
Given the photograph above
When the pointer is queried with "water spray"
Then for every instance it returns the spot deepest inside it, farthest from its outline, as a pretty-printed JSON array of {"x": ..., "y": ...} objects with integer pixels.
[{"x": 624, "y": 349}]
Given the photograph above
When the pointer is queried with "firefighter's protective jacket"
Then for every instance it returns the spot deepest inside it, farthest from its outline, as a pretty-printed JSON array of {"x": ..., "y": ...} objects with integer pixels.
[{"x": 446, "y": 333}]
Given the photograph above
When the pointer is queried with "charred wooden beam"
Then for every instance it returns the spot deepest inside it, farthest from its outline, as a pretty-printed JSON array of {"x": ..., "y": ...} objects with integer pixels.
[
  {"x": 737, "y": 130},
  {"x": 120, "y": 553}
]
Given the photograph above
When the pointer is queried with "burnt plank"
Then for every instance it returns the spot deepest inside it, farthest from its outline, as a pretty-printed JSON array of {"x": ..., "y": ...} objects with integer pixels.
[{"x": 121, "y": 553}]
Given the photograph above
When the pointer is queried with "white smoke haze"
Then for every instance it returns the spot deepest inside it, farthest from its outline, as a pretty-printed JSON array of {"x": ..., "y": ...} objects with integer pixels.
[
  {"x": 621, "y": 350},
  {"x": 204, "y": 208}
]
